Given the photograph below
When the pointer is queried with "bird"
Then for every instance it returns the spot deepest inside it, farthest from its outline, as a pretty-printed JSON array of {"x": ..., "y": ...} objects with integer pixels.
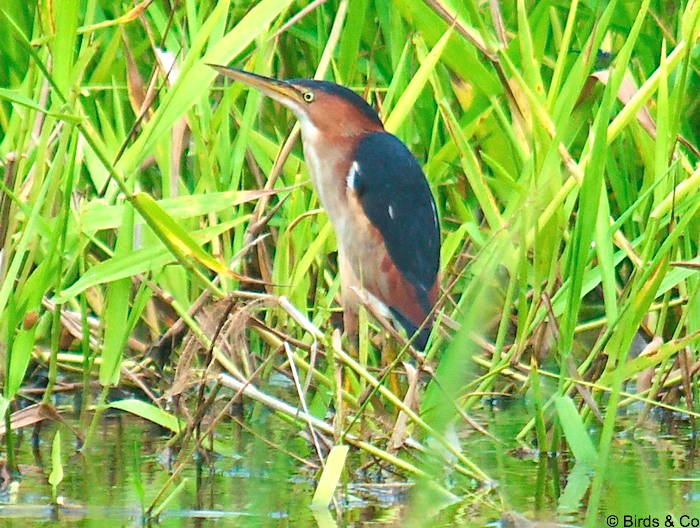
[{"x": 376, "y": 196}]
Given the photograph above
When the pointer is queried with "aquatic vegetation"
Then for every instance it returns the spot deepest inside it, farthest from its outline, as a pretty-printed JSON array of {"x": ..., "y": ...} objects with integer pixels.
[{"x": 164, "y": 256}]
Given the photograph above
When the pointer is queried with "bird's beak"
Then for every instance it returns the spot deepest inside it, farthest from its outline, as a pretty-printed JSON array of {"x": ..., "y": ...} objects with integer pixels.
[{"x": 280, "y": 91}]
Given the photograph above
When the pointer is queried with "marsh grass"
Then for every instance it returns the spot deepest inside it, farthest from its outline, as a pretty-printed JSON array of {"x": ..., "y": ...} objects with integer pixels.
[{"x": 160, "y": 236}]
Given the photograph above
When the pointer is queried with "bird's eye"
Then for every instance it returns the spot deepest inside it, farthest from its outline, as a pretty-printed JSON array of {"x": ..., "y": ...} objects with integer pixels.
[{"x": 308, "y": 96}]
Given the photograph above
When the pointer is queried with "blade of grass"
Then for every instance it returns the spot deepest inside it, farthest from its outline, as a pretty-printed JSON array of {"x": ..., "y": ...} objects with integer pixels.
[{"x": 333, "y": 468}]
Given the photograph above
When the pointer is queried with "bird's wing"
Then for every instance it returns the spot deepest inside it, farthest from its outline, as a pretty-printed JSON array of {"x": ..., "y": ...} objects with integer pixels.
[{"x": 396, "y": 198}]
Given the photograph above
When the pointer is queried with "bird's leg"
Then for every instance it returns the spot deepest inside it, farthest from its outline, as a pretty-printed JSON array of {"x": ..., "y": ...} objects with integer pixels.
[{"x": 349, "y": 286}]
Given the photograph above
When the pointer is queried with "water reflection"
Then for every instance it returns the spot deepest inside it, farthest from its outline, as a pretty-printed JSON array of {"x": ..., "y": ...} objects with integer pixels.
[{"x": 653, "y": 473}]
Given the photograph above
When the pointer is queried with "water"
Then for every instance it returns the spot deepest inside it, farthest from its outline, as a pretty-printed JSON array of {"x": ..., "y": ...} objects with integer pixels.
[{"x": 653, "y": 474}]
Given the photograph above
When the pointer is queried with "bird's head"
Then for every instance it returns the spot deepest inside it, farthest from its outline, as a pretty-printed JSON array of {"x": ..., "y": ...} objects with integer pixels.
[{"x": 322, "y": 107}]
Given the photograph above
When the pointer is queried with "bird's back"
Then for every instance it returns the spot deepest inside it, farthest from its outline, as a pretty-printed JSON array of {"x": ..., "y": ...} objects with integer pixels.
[{"x": 396, "y": 198}]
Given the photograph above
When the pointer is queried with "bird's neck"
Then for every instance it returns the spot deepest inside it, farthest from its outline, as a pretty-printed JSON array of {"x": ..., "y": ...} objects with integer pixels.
[{"x": 328, "y": 160}]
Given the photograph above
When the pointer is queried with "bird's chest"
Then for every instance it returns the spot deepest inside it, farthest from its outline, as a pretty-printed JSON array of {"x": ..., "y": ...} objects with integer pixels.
[
  {"x": 325, "y": 168},
  {"x": 328, "y": 168}
]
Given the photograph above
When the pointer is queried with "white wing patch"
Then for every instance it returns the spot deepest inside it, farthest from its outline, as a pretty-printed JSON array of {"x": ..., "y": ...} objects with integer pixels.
[
  {"x": 391, "y": 212},
  {"x": 352, "y": 175}
]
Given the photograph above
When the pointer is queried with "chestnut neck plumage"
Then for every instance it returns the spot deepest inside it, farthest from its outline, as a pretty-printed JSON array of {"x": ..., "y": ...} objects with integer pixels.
[{"x": 329, "y": 150}]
